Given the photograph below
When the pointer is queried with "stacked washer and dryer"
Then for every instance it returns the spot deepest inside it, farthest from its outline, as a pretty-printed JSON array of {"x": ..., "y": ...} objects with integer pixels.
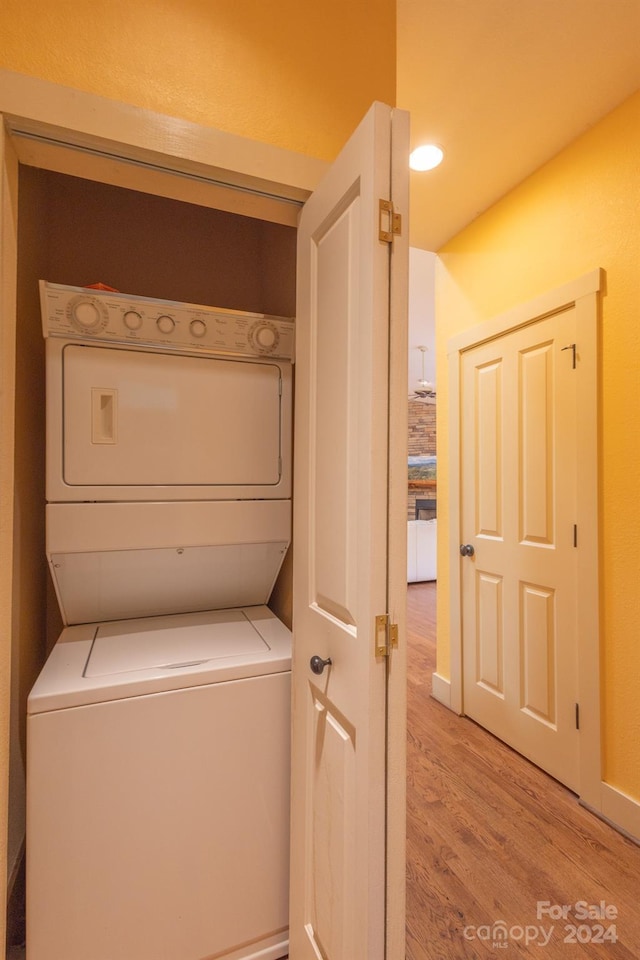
[{"x": 158, "y": 730}]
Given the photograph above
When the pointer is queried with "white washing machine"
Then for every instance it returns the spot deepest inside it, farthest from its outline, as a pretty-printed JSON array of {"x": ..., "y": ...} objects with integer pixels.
[{"x": 158, "y": 730}]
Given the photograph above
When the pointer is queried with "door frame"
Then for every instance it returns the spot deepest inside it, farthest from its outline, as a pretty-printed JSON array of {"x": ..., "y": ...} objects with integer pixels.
[
  {"x": 84, "y": 135},
  {"x": 583, "y": 293}
]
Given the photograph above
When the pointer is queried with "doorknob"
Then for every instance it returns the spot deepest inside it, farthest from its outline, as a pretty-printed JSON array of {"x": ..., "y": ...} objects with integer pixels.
[
  {"x": 317, "y": 664},
  {"x": 466, "y": 550}
]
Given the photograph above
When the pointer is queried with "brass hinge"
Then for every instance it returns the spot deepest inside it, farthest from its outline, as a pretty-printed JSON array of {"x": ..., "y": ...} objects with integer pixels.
[
  {"x": 386, "y": 635},
  {"x": 390, "y": 220}
]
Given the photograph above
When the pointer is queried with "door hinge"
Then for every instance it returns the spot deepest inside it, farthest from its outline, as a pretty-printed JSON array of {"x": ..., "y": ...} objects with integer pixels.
[
  {"x": 389, "y": 223},
  {"x": 577, "y": 716},
  {"x": 575, "y": 534},
  {"x": 386, "y": 635}
]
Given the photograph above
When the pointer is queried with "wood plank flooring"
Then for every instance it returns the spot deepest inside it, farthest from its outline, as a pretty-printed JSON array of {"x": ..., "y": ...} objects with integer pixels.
[{"x": 489, "y": 836}]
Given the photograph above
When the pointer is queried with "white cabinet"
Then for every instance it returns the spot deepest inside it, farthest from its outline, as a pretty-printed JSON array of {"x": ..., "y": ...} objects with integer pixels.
[{"x": 421, "y": 550}]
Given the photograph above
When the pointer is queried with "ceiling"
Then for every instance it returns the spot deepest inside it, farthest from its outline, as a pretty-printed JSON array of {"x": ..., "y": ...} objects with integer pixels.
[{"x": 503, "y": 86}]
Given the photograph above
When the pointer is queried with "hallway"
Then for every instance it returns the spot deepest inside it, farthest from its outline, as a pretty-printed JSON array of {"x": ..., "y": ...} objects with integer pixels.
[{"x": 492, "y": 838}]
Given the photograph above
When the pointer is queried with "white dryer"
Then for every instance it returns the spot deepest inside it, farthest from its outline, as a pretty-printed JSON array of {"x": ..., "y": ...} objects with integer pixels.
[{"x": 158, "y": 730}]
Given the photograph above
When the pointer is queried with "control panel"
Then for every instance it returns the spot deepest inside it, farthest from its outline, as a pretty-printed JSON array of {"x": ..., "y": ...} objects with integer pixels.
[{"x": 87, "y": 314}]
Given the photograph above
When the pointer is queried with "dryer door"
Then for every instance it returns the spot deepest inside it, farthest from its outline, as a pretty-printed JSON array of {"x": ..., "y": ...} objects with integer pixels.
[{"x": 134, "y": 421}]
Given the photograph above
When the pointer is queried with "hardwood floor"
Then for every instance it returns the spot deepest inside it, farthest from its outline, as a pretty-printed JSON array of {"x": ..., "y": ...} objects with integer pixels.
[{"x": 489, "y": 836}]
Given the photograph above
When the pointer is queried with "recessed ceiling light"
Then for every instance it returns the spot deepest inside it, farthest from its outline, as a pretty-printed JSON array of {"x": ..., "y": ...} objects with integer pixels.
[{"x": 426, "y": 157}]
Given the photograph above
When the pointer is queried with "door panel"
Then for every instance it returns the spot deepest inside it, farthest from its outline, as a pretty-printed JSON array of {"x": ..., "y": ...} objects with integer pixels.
[
  {"x": 333, "y": 328},
  {"x": 537, "y": 445},
  {"x": 488, "y": 453},
  {"x": 341, "y": 558},
  {"x": 518, "y": 512},
  {"x": 538, "y": 652},
  {"x": 490, "y": 637},
  {"x": 333, "y": 801}
]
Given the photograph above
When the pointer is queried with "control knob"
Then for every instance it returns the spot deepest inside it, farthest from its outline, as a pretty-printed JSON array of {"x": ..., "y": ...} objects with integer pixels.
[
  {"x": 198, "y": 328},
  {"x": 132, "y": 320},
  {"x": 88, "y": 315},
  {"x": 165, "y": 324},
  {"x": 264, "y": 337}
]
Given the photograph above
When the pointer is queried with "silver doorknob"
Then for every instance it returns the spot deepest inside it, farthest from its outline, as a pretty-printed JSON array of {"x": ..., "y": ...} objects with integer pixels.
[
  {"x": 466, "y": 550},
  {"x": 317, "y": 664}
]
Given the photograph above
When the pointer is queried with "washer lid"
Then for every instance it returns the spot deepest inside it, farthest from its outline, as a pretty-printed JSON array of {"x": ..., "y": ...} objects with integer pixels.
[{"x": 168, "y": 643}]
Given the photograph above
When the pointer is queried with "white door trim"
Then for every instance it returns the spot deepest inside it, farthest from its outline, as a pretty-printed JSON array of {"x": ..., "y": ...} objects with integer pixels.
[
  {"x": 11, "y": 823},
  {"x": 43, "y": 111},
  {"x": 397, "y": 561},
  {"x": 583, "y": 292}
]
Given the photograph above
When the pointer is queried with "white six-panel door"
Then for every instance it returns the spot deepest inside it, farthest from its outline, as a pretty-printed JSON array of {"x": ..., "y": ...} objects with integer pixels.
[
  {"x": 519, "y": 511},
  {"x": 341, "y": 557}
]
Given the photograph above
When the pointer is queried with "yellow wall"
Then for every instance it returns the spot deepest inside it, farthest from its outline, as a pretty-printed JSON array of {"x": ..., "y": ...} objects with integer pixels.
[
  {"x": 580, "y": 211},
  {"x": 297, "y": 75}
]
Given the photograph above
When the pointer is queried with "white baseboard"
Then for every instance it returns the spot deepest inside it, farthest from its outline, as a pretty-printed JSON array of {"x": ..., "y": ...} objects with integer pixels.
[
  {"x": 441, "y": 689},
  {"x": 621, "y": 811}
]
